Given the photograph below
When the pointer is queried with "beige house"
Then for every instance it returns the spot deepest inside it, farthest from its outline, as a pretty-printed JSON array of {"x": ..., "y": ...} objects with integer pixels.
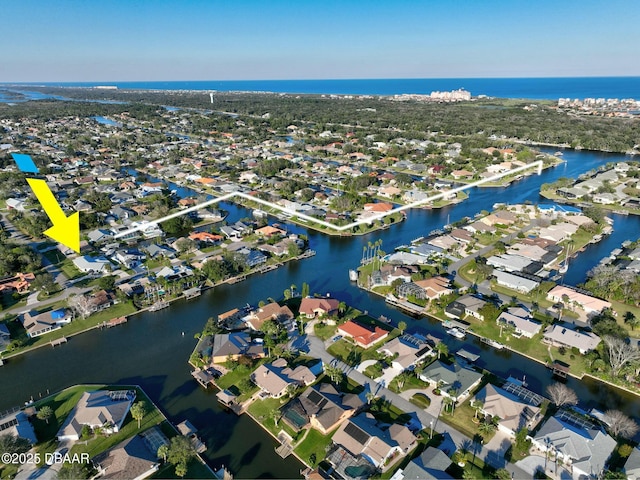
[
  {"x": 275, "y": 378},
  {"x": 513, "y": 412}
]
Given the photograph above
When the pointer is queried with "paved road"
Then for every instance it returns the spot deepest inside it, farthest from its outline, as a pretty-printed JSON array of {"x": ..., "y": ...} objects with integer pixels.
[{"x": 454, "y": 438}]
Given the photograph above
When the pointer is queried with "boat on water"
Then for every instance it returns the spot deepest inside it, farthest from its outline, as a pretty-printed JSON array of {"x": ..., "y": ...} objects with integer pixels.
[
  {"x": 456, "y": 332},
  {"x": 158, "y": 306},
  {"x": 353, "y": 275}
]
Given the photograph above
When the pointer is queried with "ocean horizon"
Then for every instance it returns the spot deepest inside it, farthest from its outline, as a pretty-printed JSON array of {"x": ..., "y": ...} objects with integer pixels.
[{"x": 537, "y": 88}]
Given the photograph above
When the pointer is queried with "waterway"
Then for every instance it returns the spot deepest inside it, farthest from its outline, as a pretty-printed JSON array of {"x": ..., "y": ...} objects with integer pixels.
[{"x": 152, "y": 349}]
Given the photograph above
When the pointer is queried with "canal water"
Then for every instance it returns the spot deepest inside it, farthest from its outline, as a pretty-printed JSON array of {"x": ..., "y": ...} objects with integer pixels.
[{"x": 152, "y": 349}]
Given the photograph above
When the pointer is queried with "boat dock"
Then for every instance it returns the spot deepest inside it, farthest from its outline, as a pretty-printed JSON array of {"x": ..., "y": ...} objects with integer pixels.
[
  {"x": 158, "y": 306},
  {"x": 59, "y": 341},
  {"x": 204, "y": 377},
  {"x": 116, "y": 321},
  {"x": 402, "y": 305},
  {"x": 188, "y": 430},
  {"x": 472, "y": 357},
  {"x": 192, "y": 293},
  {"x": 492, "y": 343}
]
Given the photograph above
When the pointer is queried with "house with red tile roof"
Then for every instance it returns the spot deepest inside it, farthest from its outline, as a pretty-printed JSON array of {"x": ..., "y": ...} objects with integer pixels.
[
  {"x": 377, "y": 207},
  {"x": 364, "y": 336}
]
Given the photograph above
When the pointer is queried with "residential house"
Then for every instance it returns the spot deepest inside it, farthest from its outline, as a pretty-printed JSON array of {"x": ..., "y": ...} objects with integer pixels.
[
  {"x": 453, "y": 380},
  {"x": 252, "y": 257},
  {"x": 563, "y": 336},
  {"x": 322, "y": 407},
  {"x": 318, "y": 307},
  {"x": 269, "y": 231},
  {"x": 430, "y": 465},
  {"x": 135, "y": 458},
  {"x": 104, "y": 409},
  {"x": 558, "y": 232},
  {"x": 361, "y": 436},
  {"x": 435, "y": 287},
  {"x": 154, "y": 250},
  {"x": 364, "y": 336},
  {"x": 591, "y": 305},
  {"x": 17, "y": 423},
  {"x": 513, "y": 412},
  {"x": 88, "y": 264},
  {"x": 129, "y": 258},
  {"x": 99, "y": 235},
  {"x": 39, "y": 324},
  {"x": 20, "y": 283},
  {"x": 521, "y": 321},
  {"x": 408, "y": 289},
  {"x": 584, "y": 446},
  {"x": 406, "y": 351},
  {"x": 515, "y": 282},
  {"x": 174, "y": 273},
  {"x": 274, "y": 378},
  {"x": 234, "y": 345},
  {"x": 509, "y": 263},
  {"x": 465, "y": 305},
  {"x": 271, "y": 311},
  {"x": 205, "y": 237}
]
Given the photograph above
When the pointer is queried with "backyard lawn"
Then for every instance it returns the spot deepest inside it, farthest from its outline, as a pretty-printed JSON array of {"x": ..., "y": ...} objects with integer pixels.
[{"x": 313, "y": 447}]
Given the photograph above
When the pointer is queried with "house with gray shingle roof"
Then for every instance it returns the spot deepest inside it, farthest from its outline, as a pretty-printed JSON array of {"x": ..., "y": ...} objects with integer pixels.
[
  {"x": 587, "y": 449},
  {"x": 461, "y": 379}
]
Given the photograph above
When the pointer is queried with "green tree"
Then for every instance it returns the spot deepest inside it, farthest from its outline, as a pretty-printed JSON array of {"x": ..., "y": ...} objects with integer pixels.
[
  {"x": 138, "y": 411},
  {"x": 45, "y": 413},
  {"x": 180, "y": 451},
  {"x": 305, "y": 290},
  {"x": 163, "y": 451},
  {"x": 181, "y": 470},
  {"x": 402, "y": 326},
  {"x": 107, "y": 283},
  {"x": 442, "y": 349},
  {"x": 13, "y": 444},
  {"x": 44, "y": 282}
]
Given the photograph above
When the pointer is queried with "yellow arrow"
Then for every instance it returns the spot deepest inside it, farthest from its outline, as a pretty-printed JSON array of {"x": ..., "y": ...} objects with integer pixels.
[{"x": 65, "y": 230}]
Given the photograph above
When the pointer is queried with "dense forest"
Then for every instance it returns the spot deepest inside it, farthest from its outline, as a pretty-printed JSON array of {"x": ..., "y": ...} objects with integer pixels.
[{"x": 533, "y": 121}]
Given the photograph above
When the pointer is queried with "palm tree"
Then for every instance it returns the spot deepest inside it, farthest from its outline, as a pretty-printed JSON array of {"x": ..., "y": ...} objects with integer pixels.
[
  {"x": 464, "y": 448},
  {"x": 370, "y": 396},
  {"x": 487, "y": 427},
  {"x": 442, "y": 349},
  {"x": 477, "y": 406},
  {"x": 402, "y": 326},
  {"x": 401, "y": 379}
]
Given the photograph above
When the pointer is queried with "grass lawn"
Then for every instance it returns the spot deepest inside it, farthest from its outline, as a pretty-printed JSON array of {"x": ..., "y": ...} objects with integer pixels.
[
  {"x": 463, "y": 419},
  {"x": 315, "y": 444},
  {"x": 324, "y": 331},
  {"x": 421, "y": 400},
  {"x": 70, "y": 270},
  {"x": 373, "y": 371},
  {"x": 54, "y": 256},
  {"x": 195, "y": 469},
  {"x": 234, "y": 378},
  {"x": 262, "y": 410},
  {"x": 621, "y": 308},
  {"x": 411, "y": 382},
  {"x": 387, "y": 413}
]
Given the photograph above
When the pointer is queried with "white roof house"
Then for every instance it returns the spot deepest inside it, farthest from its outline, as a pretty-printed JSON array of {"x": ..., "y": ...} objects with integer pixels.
[
  {"x": 588, "y": 303},
  {"x": 525, "y": 326},
  {"x": 514, "y": 282},
  {"x": 90, "y": 264},
  {"x": 563, "y": 336},
  {"x": 510, "y": 263}
]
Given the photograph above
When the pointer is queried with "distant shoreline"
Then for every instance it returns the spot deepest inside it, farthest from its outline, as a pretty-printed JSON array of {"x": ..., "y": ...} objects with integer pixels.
[{"x": 525, "y": 88}]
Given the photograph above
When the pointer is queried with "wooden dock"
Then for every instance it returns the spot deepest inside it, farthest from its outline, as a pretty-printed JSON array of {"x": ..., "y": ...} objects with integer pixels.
[
  {"x": 116, "y": 321},
  {"x": 59, "y": 341}
]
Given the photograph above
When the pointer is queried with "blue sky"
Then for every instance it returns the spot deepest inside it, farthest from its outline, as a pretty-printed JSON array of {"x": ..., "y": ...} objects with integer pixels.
[{"x": 120, "y": 40}]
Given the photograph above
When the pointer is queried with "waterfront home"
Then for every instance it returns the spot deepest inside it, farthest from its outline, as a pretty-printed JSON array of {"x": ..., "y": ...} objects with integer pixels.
[
  {"x": 363, "y": 336},
  {"x": 252, "y": 258},
  {"x": 174, "y": 273},
  {"x": 271, "y": 311},
  {"x": 389, "y": 273},
  {"x": 467, "y": 305},
  {"x": 576, "y": 442},
  {"x": 269, "y": 231},
  {"x": 521, "y": 321},
  {"x": 453, "y": 380},
  {"x": 318, "y": 307},
  {"x": 39, "y": 324},
  {"x": 408, "y": 289},
  {"x": 135, "y": 458},
  {"x": 406, "y": 350},
  {"x": 435, "y": 287},
  {"x": 88, "y": 264},
  {"x": 104, "y": 409},
  {"x": 274, "y": 378},
  {"x": 406, "y": 258},
  {"x": 17, "y": 424},
  {"x": 361, "y": 436},
  {"x": 322, "y": 407},
  {"x": 590, "y": 305},
  {"x": 226, "y": 346},
  {"x": 564, "y": 336},
  {"x": 430, "y": 465},
  {"x": 513, "y": 412},
  {"x": 558, "y": 232}
]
